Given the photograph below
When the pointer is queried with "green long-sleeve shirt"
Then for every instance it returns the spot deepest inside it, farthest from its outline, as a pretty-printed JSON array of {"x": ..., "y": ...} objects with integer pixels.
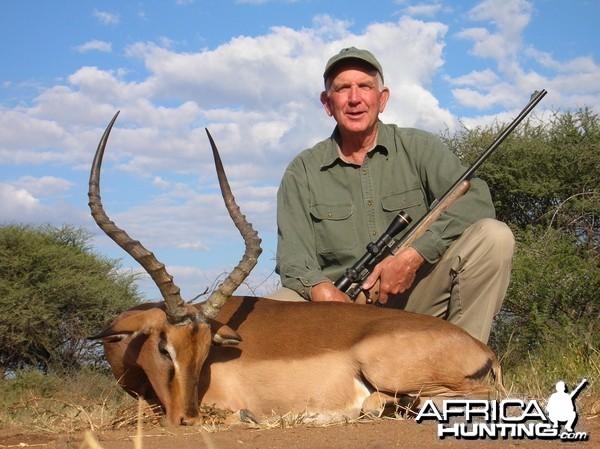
[{"x": 329, "y": 210}]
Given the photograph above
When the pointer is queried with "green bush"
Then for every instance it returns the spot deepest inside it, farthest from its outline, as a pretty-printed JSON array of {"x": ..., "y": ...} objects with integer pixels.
[
  {"x": 54, "y": 292},
  {"x": 552, "y": 300}
]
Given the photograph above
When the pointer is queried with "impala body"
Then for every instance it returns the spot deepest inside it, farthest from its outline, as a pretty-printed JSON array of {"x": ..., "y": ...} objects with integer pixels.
[{"x": 253, "y": 354}]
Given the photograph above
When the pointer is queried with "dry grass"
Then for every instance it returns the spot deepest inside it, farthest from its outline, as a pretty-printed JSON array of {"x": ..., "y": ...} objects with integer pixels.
[
  {"x": 93, "y": 402},
  {"x": 536, "y": 377},
  {"x": 65, "y": 404}
]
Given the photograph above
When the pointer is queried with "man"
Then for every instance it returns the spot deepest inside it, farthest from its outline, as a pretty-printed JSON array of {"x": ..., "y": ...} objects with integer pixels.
[{"x": 341, "y": 194}]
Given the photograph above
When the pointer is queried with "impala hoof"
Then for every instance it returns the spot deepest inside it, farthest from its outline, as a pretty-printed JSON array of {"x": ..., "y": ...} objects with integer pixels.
[{"x": 246, "y": 416}]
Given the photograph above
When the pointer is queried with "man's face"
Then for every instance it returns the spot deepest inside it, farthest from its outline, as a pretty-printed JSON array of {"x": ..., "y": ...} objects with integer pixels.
[{"x": 355, "y": 99}]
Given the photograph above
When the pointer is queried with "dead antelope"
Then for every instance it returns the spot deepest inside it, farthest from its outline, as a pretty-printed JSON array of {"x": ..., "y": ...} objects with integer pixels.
[{"x": 254, "y": 354}]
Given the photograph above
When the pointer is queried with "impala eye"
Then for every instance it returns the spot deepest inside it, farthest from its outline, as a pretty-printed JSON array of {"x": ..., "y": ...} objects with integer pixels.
[{"x": 163, "y": 350}]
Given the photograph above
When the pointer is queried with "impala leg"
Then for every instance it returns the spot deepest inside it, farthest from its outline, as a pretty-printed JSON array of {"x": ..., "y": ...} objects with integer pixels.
[{"x": 380, "y": 404}]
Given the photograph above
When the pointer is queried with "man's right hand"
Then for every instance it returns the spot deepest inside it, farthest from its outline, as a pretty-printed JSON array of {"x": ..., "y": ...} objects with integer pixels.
[
  {"x": 396, "y": 273},
  {"x": 326, "y": 291}
]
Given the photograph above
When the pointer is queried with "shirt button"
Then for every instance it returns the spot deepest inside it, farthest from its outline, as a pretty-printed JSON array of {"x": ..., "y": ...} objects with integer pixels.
[
  {"x": 329, "y": 215},
  {"x": 369, "y": 203},
  {"x": 374, "y": 233},
  {"x": 364, "y": 172}
]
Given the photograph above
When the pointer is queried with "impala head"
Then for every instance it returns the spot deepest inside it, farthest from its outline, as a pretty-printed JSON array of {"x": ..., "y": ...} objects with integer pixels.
[{"x": 160, "y": 349}]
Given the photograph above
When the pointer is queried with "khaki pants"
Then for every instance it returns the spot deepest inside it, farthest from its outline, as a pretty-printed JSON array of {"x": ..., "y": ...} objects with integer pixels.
[{"x": 466, "y": 286}]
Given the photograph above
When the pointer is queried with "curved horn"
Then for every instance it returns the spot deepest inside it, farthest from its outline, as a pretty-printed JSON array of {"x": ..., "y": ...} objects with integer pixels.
[
  {"x": 175, "y": 309},
  {"x": 215, "y": 301}
]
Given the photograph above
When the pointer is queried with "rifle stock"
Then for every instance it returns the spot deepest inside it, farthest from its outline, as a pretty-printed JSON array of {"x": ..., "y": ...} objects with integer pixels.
[{"x": 351, "y": 282}]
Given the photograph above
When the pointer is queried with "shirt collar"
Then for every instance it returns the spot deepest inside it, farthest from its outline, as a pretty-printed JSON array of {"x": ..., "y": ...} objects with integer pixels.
[{"x": 332, "y": 155}]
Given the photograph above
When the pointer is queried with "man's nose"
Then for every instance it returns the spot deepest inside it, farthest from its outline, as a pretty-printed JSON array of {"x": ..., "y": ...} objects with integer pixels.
[{"x": 354, "y": 95}]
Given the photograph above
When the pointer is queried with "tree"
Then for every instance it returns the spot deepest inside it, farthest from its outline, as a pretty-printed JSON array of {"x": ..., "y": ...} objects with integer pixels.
[
  {"x": 54, "y": 292},
  {"x": 545, "y": 184}
]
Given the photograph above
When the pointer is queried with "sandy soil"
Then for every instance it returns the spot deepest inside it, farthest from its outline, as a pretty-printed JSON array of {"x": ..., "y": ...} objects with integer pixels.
[{"x": 378, "y": 434}]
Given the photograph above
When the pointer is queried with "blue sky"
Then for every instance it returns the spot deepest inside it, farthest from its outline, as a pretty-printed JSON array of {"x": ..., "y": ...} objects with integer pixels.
[{"x": 250, "y": 71}]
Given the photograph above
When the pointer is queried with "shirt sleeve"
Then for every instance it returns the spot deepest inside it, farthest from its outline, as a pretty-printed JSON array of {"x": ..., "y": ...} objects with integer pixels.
[
  {"x": 296, "y": 260},
  {"x": 439, "y": 169}
]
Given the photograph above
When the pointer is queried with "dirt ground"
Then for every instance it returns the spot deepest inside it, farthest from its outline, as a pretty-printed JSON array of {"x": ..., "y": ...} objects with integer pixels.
[{"x": 377, "y": 434}]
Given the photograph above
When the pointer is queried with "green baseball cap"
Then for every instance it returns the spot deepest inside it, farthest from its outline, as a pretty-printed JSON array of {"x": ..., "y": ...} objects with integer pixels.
[{"x": 352, "y": 53}]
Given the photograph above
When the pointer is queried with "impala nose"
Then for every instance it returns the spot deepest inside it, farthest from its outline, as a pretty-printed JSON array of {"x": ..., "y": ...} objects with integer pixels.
[{"x": 187, "y": 421}]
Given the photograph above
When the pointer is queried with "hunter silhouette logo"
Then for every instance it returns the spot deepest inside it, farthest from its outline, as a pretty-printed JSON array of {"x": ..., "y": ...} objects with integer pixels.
[
  {"x": 509, "y": 418},
  {"x": 561, "y": 405}
]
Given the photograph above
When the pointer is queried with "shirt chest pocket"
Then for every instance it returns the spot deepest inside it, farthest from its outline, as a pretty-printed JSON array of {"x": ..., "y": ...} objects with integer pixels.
[
  {"x": 334, "y": 227},
  {"x": 410, "y": 201}
]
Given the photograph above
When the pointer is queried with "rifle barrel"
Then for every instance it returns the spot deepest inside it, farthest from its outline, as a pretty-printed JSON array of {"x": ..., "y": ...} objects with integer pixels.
[{"x": 536, "y": 97}]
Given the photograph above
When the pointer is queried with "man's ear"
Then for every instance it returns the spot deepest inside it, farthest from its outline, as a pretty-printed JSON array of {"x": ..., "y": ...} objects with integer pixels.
[
  {"x": 383, "y": 99},
  {"x": 325, "y": 102}
]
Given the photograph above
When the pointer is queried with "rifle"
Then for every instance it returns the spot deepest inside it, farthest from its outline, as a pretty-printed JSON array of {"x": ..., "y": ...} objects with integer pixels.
[{"x": 354, "y": 277}]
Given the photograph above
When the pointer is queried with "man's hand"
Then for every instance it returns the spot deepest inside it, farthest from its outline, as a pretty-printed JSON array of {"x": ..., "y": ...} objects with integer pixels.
[
  {"x": 397, "y": 273},
  {"x": 326, "y": 291}
]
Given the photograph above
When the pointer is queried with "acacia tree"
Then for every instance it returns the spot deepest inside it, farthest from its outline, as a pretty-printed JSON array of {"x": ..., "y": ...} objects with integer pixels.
[
  {"x": 54, "y": 292},
  {"x": 545, "y": 184}
]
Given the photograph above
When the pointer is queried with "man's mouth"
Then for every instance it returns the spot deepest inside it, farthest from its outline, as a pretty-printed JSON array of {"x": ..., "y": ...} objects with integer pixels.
[{"x": 355, "y": 114}]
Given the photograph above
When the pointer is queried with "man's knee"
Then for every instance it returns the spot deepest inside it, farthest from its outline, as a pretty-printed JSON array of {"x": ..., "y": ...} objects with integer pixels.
[
  {"x": 493, "y": 237},
  {"x": 498, "y": 232}
]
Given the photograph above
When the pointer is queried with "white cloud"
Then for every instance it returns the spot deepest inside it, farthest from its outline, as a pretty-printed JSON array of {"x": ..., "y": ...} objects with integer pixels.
[
  {"x": 161, "y": 182},
  {"x": 43, "y": 187},
  {"x": 95, "y": 45},
  {"x": 15, "y": 200},
  {"x": 485, "y": 77},
  {"x": 424, "y": 9},
  {"x": 20, "y": 204},
  {"x": 26, "y": 139},
  {"x": 107, "y": 18},
  {"x": 509, "y": 18},
  {"x": 193, "y": 245}
]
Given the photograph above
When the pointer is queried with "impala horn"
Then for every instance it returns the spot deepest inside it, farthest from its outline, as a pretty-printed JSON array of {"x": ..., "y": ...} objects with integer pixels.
[
  {"x": 176, "y": 311},
  {"x": 215, "y": 301}
]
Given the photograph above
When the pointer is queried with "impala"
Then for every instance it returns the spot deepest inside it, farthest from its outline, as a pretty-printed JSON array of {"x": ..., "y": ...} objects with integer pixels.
[{"x": 261, "y": 357}]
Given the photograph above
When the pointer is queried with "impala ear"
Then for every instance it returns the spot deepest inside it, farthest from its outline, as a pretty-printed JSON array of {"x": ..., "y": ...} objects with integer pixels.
[
  {"x": 131, "y": 322},
  {"x": 226, "y": 336},
  {"x": 108, "y": 336}
]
